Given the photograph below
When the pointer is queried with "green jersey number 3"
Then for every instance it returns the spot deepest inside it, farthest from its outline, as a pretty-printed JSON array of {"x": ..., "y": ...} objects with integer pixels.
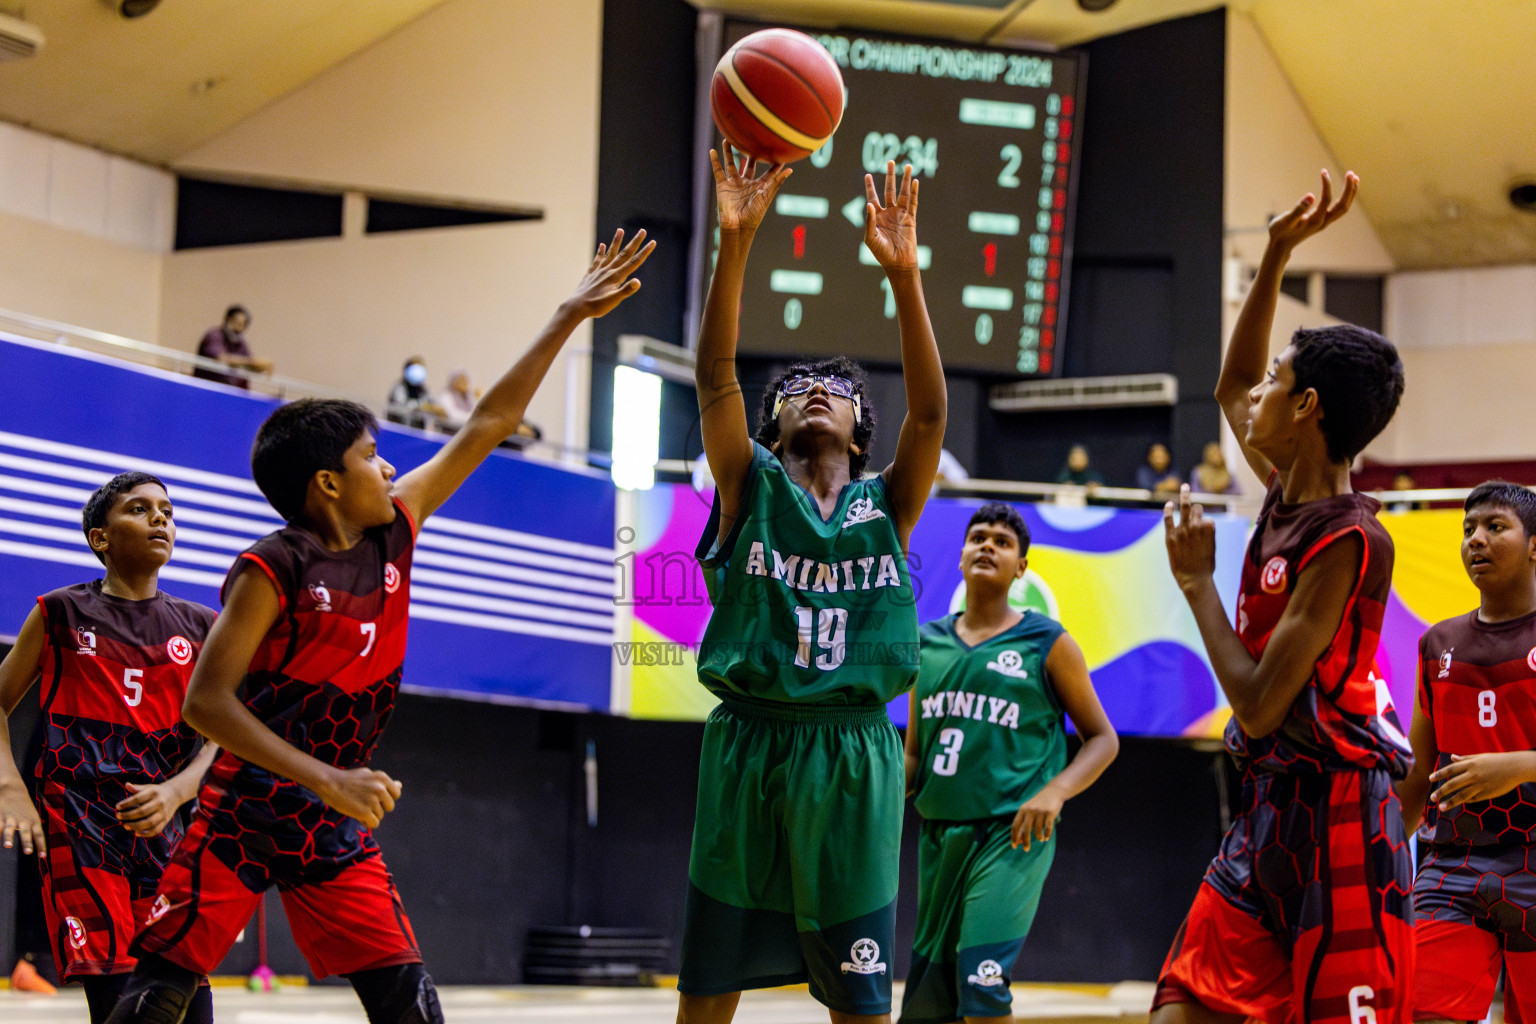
[
  {"x": 823, "y": 633},
  {"x": 947, "y": 761}
]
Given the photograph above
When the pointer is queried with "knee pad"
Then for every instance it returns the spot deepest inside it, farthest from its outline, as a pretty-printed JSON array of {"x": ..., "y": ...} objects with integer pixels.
[
  {"x": 158, "y": 992},
  {"x": 398, "y": 995}
]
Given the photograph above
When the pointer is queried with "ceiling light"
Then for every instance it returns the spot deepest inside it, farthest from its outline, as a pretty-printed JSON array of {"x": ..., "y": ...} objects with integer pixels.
[
  {"x": 1522, "y": 194},
  {"x": 1095, "y": 6},
  {"x": 132, "y": 8}
]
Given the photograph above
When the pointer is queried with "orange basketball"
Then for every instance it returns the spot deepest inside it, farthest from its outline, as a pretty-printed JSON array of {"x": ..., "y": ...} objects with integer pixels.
[{"x": 777, "y": 95}]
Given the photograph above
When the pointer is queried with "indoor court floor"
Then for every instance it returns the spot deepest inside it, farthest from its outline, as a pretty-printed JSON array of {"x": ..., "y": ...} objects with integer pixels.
[{"x": 537, "y": 1005}]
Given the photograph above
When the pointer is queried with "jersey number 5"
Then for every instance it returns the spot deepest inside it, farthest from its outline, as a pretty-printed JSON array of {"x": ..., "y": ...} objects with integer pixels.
[
  {"x": 947, "y": 761},
  {"x": 825, "y": 629},
  {"x": 131, "y": 677}
]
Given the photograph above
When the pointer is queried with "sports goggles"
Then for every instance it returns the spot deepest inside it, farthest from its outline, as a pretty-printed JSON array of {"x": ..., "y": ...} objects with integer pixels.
[{"x": 841, "y": 387}]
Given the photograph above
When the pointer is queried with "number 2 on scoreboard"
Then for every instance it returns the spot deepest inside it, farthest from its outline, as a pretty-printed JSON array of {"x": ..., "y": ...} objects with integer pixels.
[{"x": 1013, "y": 157}]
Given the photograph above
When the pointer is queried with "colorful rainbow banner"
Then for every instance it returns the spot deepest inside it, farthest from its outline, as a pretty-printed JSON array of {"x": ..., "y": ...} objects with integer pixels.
[{"x": 1102, "y": 572}]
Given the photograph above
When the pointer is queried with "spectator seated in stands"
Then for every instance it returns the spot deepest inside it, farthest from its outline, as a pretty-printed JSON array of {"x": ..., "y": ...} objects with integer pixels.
[
  {"x": 1156, "y": 474},
  {"x": 1211, "y": 476},
  {"x": 1403, "y": 481},
  {"x": 409, "y": 401},
  {"x": 456, "y": 401},
  {"x": 226, "y": 343},
  {"x": 1078, "y": 471}
]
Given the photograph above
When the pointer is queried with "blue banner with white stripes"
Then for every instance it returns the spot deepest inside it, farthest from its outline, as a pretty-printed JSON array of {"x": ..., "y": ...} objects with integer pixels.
[{"x": 513, "y": 584}]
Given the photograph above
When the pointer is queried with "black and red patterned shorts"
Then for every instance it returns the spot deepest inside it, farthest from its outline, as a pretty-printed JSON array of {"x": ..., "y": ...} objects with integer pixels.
[
  {"x": 1306, "y": 912},
  {"x": 1476, "y": 908},
  {"x": 342, "y": 905}
]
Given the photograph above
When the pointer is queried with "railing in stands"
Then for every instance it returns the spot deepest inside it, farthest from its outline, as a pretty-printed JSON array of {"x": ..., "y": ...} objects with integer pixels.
[{"x": 142, "y": 352}]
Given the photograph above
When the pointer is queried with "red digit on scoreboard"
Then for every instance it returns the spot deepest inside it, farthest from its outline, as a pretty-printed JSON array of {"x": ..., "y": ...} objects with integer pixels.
[
  {"x": 799, "y": 236},
  {"x": 989, "y": 258}
]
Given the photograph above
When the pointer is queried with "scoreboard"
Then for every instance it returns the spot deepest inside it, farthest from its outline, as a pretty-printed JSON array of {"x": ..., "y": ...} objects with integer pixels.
[{"x": 993, "y": 136}]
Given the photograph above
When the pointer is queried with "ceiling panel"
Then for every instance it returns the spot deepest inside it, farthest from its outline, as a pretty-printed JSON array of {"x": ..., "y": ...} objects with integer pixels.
[{"x": 157, "y": 86}]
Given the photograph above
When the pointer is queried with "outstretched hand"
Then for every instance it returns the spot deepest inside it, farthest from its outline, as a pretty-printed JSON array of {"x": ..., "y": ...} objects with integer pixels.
[
  {"x": 890, "y": 228},
  {"x": 1473, "y": 777},
  {"x": 1035, "y": 820},
  {"x": 1191, "y": 542},
  {"x": 19, "y": 817},
  {"x": 148, "y": 809},
  {"x": 607, "y": 282},
  {"x": 1313, "y": 214},
  {"x": 743, "y": 198}
]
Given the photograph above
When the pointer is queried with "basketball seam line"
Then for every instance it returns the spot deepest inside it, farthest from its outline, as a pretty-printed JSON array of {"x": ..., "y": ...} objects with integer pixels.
[
  {"x": 769, "y": 119},
  {"x": 810, "y": 87}
]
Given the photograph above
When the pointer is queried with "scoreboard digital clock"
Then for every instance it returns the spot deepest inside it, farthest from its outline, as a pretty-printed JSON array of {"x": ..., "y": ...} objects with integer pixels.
[{"x": 993, "y": 136}]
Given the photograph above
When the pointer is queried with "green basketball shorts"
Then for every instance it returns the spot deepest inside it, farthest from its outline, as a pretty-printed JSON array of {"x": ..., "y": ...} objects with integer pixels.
[
  {"x": 977, "y": 897},
  {"x": 793, "y": 872}
]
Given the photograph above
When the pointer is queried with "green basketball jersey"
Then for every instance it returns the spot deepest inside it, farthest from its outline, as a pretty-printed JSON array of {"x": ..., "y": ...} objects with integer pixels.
[
  {"x": 806, "y": 610},
  {"x": 990, "y": 731}
]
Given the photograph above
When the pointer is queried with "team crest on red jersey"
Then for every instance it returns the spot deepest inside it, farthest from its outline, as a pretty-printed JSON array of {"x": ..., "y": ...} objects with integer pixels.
[
  {"x": 1272, "y": 579},
  {"x": 76, "y": 932},
  {"x": 1530, "y": 659},
  {"x": 391, "y": 578},
  {"x": 158, "y": 909},
  {"x": 180, "y": 649},
  {"x": 87, "y": 641},
  {"x": 321, "y": 595}
]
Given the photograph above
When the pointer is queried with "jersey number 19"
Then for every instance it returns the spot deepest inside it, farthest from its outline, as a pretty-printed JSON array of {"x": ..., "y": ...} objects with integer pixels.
[{"x": 822, "y": 635}]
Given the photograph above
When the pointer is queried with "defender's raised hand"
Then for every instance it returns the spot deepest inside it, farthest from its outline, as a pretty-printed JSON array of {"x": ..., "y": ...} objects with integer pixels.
[
  {"x": 1191, "y": 542},
  {"x": 890, "y": 228},
  {"x": 607, "y": 282},
  {"x": 743, "y": 198},
  {"x": 1313, "y": 214}
]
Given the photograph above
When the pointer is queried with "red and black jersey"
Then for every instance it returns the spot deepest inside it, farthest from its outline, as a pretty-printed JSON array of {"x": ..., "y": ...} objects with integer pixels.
[
  {"x": 114, "y": 675},
  {"x": 324, "y": 678},
  {"x": 1477, "y": 685},
  {"x": 1343, "y": 719}
]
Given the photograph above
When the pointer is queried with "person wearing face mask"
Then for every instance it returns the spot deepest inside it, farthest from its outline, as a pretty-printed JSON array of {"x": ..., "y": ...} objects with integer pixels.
[
  {"x": 226, "y": 343},
  {"x": 409, "y": 401}
]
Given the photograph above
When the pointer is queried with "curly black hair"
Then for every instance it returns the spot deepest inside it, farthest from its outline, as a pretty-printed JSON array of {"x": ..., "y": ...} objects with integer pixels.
[
  {"x": 299, "y": 440},
  {"x": 1503, "y": 494},
  {"x": 994, "y": 512},
  {"x": 841, "y": 366},
  {"x": 1358, "y": 377},
  {"x": 94, "y": 515}
]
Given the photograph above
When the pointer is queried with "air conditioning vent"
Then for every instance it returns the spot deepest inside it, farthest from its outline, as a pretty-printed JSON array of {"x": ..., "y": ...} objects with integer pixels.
[
  {"x": 1086, "y": 393},
  {"x": 668, "y": 361},
  {"x": 18, "y": 39}
]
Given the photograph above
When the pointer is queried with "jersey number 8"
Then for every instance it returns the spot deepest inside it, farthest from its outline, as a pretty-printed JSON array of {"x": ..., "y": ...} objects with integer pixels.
[
  {"x": 1487, "y": 714},
  {"x": 823, "y": 629}
]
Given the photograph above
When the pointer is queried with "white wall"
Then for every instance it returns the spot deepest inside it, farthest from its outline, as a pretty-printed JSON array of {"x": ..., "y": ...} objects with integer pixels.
[
  {"x": 82, "y": 234},
  {"x": 478, "y": 99},
  {"x": 1273, "y": 158},
  {"x": 1468, "y": 339}
]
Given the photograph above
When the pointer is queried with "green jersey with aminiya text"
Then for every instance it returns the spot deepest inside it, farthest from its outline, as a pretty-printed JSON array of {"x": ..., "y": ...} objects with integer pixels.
[
  {"x": 807, "y": 610},
  {"x": 990, "y": 730}
]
